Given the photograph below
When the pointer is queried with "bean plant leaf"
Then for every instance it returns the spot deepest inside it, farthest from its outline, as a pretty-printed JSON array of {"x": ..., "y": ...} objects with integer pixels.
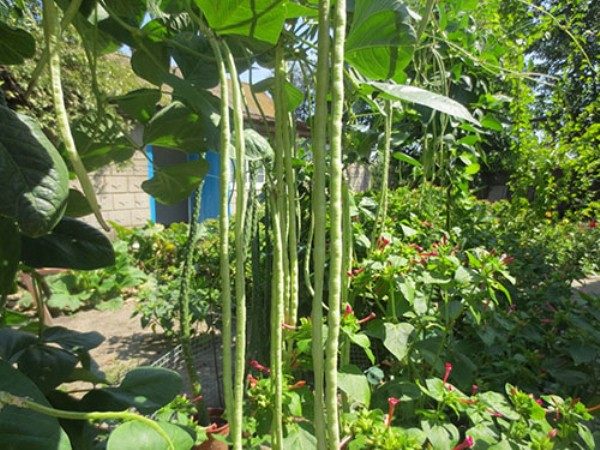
[
  {"x": 46, "y": 366},
  {"x": 394, "y": 336},
  {"x": 16, "y": 45},
  {"x": 140, "y": 436},
  {"x": 294, "y": 96},
  {"x": 72, "y": 340},
  {"x": 180, "y": 128},
  {"x": 72, "y": 244},
  {"x": 300, "y": 439},
  {"x": 174, "y": 183},
  {"x": 77, "y": 204},
  {"x": 423, "y": 97},
  {"x": 381, "y": 39},
  {"x": 145, "y": 388},
  {"x": 259, "y": 19},
  {"x": 33, "y": 176},
  {"x": 354, "y": 383},
  {"x": 257, "y": 146},
  {"x": 23, "y": 429},
  {"x": 151, "y": 62},
  {"x": 194, "y": 68},
  {"x": 10, "y": 253},
  {"x": 139, "y": 104}
]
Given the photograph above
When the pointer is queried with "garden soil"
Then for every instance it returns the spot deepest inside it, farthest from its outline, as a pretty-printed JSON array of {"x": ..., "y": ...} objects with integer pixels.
[{"x": 126, "y": 344}]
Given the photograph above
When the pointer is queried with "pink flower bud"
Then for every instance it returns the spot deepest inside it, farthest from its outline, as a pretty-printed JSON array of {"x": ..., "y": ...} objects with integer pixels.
[
  {"x": 469, "y": 442},
  {"x": 392, "y": 402},
  {"x": 474, "y": 389},
  {"x": 448, "y": 368}
]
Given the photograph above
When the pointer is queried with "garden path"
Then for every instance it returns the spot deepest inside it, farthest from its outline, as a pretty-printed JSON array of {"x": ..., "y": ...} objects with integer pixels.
[{"x": 126, "y": 344}]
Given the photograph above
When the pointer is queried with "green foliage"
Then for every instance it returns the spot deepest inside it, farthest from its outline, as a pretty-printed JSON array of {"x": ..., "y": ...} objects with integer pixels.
[{"x": 158, "y": 251}]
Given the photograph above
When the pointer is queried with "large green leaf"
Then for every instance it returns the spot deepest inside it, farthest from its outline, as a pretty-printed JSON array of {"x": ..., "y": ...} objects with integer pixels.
[
  {"x": 22, "y": 429},
  {"x": 420, "y": 96},
  {"x": 178, "y": 127},
  {"x": 353, "y": 382},
  {"x": 139, "y": 104},
  {"x": 145, "y": 388},
  {"x": 72, "y": 244},
  {"x": 46, "y": 366},
  {"x": 16, "y": 45},
  {"x": 381, "y": 40},
  {"x": 139, "y": 436},
  {"x": 151, "y": 62},
  {"x": 13, "y": 343},
  {"x": 259, "y": 19},
  {"x": 72, "y": 340},
  {"x": 174, "y": 183},
  {"x": 10, "y": 253},
  {"x": 33, "y": 177},
  {"x": 193, "y": 56}
]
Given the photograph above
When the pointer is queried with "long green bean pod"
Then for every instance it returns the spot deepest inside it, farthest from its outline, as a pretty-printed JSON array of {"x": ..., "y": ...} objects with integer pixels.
[
  {"x": 52, "y": 35},
  {"x": 236, "y": 421},
  {"x": 383, "y": 197},
  {"x": 224, "y": 271},
  {"x": 280, "y": 300},
  {"x": 277, "y": 313},
  {"x": 336, "y": 268},
  {"x": 319, "y": 217}
]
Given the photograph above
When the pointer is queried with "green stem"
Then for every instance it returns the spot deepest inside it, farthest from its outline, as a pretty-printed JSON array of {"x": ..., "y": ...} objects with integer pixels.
[
  {"x": 7, "y": 398},
  {"x": 52, "y": 34},
  {"x": 236, "y": 422},
  {"x": 336, "y": 269},
  {"x": 383, "y": 198},
  {"x": 185, "y": 332},
  {"x": 67, "y": 18},
  {"x": 319, "y": 214}
]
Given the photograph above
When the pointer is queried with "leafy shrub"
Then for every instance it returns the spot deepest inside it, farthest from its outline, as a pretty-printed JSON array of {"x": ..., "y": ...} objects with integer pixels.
[
  {"x": 158, "y": 251},
  {"x": 102, "y": 289}
]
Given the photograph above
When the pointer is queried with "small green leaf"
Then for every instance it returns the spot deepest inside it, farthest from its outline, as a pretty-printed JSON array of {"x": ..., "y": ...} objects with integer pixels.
[
  {"x": 491, "y": 122},
  {"x": 394, "y": 336},
  {"x": 407, "y": 159},
  {"x": 77, "y": 204},
  {"x": 174, "y": 183},
  {"x": 16, "y": 45},
  {"x": 353, "y": 382}
]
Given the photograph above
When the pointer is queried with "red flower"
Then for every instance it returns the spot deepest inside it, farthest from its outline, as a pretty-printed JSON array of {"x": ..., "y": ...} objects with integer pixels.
[
  {"x": 416, "y": 247},
  {"x": 382, "y": 242},
  {"x": 352, "y": 273},
  {"x": 474, "y": 389},
  {"x": 392, "y": 402},
  {"x": 448, "y": 368},
  {"x": 297, "y": 385},
  {"x": 552, "y": 433},
  {"x": 367, "y": 318},
  {"x": 258, "y": 366},
  {"x": 507, "y": 259},
  {"x": 469, "y": 442},
  {"x": 348, "y": 310},
  {"x": 593, "y": 223},
  {"x": 251, "y": 380}
]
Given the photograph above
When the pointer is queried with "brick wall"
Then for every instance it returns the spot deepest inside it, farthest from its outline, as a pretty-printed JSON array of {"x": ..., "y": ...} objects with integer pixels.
[{"x": 120, "y": 194}]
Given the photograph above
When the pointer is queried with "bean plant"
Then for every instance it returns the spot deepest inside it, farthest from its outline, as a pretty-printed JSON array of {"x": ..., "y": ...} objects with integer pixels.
[{"x": 407, "y": 306}]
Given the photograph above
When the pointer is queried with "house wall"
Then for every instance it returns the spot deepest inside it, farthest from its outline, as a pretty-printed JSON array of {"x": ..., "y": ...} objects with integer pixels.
[{"x": 119, "y": 192}]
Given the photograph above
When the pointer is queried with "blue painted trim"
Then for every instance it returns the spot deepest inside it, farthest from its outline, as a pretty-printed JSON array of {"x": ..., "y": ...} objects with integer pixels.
[{"x": 150, "y": 153}]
